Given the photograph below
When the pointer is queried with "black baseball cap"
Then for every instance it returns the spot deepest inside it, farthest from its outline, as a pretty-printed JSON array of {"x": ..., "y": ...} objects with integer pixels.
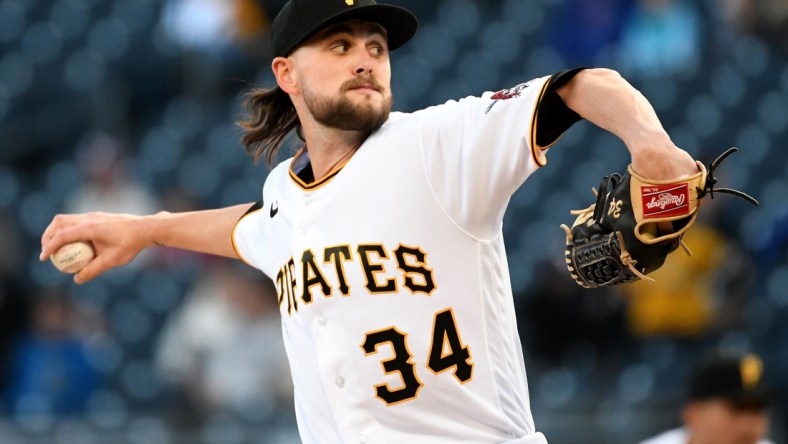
[
  {"x": 301, "y": 19},
  {"x": 738, "y": 378}
]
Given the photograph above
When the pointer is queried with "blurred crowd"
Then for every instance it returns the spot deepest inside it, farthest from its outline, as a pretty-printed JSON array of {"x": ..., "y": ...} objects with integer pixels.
[{"x": 110, "y": 105}]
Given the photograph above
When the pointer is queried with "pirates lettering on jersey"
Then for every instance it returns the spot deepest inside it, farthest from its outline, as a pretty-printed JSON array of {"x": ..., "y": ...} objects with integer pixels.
[
  {"x": 418, "y": 278},
  {"x": 312, "y": 276},
  {"x": 286, "y": 286},
  {"x": 338, "y": 256},
  {"x": 411, "y": 271},
  {"x": 372, "y": 268}
]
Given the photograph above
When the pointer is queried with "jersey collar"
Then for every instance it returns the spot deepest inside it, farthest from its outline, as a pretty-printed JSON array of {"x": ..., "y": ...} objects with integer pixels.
[{"x": 301, "y": 171}]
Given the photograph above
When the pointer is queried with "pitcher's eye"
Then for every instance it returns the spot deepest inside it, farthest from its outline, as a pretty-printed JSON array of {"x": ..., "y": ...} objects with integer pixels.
[{"x": 340, "y": 47}]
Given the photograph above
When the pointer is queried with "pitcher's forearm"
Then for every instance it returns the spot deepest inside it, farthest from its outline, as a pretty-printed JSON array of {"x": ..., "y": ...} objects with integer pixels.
[
  {"x": 605, "y": 99},
  {"x": 208, "y": 231},
  {"x": 119, "y": 238}
]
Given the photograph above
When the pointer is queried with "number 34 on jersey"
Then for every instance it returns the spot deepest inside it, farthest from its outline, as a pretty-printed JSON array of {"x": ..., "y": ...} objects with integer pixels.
[{"x": 447, "y": 352}]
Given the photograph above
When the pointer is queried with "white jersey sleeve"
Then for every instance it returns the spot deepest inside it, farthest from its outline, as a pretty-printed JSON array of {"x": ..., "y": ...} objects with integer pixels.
[
  {"x": 246, "y": 231},
  {"x": 251, "y": 238},
  {"x": 479, "y": 150}
]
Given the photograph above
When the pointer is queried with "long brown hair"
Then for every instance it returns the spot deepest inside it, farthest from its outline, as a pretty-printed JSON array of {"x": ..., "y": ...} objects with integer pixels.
[{"x": 272, "y": 117}]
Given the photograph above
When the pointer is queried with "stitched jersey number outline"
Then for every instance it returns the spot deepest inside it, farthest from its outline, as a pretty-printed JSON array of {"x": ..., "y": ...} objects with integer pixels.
[{"x": 446, "y": 352}]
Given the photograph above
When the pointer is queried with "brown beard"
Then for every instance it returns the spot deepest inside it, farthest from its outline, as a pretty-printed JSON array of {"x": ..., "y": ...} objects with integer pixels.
[{"x": 341, "y": 113}]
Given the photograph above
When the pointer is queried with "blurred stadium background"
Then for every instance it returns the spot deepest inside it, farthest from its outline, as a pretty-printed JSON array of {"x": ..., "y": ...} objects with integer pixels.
[{"x": 130, "y": 106}]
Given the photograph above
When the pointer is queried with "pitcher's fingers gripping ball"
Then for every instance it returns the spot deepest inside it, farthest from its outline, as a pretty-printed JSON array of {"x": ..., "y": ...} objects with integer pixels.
[
  {"x": 71, "y": 258},
  {"x": 635, "y": 223}
]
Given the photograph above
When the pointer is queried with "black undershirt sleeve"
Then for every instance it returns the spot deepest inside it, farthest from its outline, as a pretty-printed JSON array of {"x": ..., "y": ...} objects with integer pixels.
[{"x": 554, "y": 117}]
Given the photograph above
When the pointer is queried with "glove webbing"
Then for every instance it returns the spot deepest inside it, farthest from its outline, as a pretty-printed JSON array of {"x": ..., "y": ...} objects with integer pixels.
[{"x": 597, "y": 266}]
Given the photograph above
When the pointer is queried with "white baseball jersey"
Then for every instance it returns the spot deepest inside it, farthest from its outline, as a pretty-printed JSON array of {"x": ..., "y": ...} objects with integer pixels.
[
  {"x": 393, "y": 284},
  {"x": 680, "y": 436}
]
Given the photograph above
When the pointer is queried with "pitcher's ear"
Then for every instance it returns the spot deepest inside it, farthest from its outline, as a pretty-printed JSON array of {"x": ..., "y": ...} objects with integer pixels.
[{"x": 283, "y": 71}]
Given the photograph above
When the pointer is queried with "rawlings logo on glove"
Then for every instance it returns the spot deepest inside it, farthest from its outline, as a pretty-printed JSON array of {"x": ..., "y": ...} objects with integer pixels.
[
  {"x": 670, "y": 202},
  {"x": 627, "y": 242}
]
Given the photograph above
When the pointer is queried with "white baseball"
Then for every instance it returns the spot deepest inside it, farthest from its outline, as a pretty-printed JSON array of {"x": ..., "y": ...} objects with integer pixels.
[{"x": 71, "y": 258}]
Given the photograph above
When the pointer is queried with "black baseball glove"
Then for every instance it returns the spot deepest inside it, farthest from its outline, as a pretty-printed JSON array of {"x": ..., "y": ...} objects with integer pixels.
[{"x": 635, "y": 223}]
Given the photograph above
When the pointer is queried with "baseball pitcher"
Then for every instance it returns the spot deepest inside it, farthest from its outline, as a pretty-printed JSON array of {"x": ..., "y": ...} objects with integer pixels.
[{"x": 383, "y": 233}]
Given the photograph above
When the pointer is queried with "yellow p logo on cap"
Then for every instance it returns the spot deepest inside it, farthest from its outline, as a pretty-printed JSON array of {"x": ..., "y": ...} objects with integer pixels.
[
  {"x": 751, "y": 370},
  {"x": 349, "y": 2}
]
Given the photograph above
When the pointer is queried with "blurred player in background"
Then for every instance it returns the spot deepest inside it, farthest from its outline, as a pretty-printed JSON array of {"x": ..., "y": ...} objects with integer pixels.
[
  {"x": 383, "y": 234},
  {"x": 204, "y": 356},
  {"x": 727, "y": 401}
]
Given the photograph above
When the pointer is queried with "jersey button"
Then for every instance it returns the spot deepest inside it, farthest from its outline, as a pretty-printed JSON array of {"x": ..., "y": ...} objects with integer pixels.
[
  {"x": 340, "y": 382},
  {"x": 361, "y": 439},
  {"x": 307, "y": 201},
  {"x": 321, "y": 321}
]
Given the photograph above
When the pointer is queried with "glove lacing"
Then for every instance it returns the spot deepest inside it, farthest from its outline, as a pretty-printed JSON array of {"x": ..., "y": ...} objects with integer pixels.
[
  {"x": 708, "y": 187},
  {"x": 627, "y": 260}
]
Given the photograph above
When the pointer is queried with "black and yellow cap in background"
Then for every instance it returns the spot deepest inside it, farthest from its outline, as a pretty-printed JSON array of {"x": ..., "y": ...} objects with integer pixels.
[{"x": 734, "y": 377}]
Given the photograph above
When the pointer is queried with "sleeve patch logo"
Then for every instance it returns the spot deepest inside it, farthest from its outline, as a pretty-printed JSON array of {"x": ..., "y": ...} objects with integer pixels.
[
  {"x": 665, "y": 200},
  {"x": 506, "y": 94}
]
